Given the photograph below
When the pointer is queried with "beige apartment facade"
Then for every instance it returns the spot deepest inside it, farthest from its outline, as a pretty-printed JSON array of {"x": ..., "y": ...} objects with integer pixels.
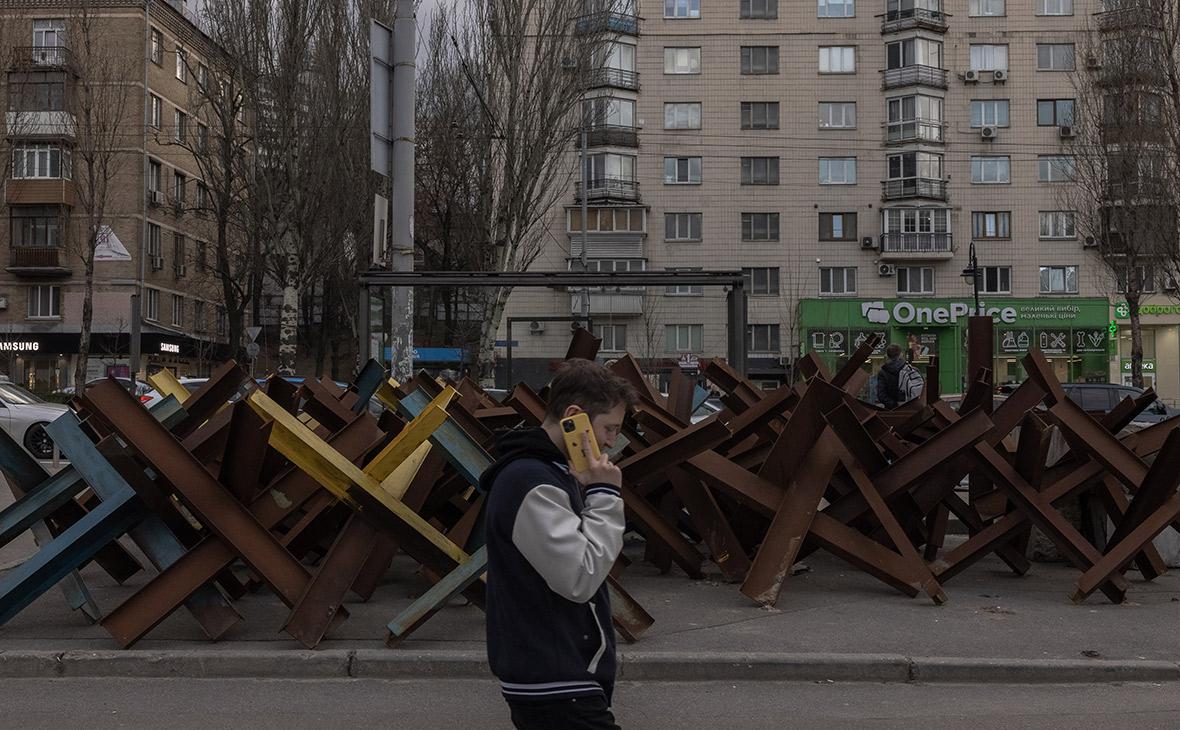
[
  {"x": 155, "y": 231},
  {"x": 846, "y": 155}
]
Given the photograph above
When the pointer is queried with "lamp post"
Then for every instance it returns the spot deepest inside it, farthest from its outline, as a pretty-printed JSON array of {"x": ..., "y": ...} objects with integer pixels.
[{"x": 973, "y": 272}]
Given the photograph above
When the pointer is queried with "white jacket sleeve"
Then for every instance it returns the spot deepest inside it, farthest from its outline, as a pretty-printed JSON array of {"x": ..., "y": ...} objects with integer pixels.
[{"x": 572, "y": 552}]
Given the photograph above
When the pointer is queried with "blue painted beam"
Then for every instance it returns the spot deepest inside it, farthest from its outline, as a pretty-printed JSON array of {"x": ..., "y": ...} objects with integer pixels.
[
  {"x": 468, "y": 457},
  {"x": 37, "y": 504},
  {"x": 439, "y": 595}
]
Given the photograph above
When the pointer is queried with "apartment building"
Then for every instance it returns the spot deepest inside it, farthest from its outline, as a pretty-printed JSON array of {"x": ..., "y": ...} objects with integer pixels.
[
  {"x": 154, "y": 234},
  {"x": 847, "y": 155}
]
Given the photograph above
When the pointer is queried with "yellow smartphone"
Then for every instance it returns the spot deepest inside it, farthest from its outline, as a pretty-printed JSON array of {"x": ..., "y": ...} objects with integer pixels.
[{"x": 572, "y": 429}]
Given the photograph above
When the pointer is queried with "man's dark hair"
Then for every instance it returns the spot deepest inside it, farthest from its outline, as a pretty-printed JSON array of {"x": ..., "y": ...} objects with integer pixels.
[
  {"x": 588, "y": 385},
  {"x": 893, "y": 351}
]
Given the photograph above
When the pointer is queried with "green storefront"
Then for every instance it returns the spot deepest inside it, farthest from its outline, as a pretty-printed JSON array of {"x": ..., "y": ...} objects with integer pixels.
[{"x": 1073, "y": 333}]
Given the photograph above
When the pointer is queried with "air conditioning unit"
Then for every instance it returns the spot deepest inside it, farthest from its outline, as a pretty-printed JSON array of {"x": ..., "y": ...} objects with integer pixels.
[
  {"x": 536, "y": 327},
  {"x": 999, "y": 76},
  {"x": 989, "y": 131},
  {"x": 971, "y": 76},
  {"x": 1170, "y": 283},
  {"x": 1093, "y": 61},
  {"x": 1089, "y": 242},
  {"x": 1066, "y": 131},
  {"x": 867, "y": 242},
  {"x": 157, "y": 263},
  {"x": 181, "y": 271},
  {"x": 155, "y": 197},
  {"x": 887, "y": 269}
]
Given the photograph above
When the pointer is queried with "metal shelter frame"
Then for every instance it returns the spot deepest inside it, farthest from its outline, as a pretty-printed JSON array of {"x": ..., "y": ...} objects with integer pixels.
[{"x": 736, "y": 298}]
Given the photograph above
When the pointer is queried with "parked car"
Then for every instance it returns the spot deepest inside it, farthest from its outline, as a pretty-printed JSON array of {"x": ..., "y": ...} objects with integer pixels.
[
  {"x": 140, "y": 391},
  {"x": 24, "y": 415},
  {"x": 1100, "y": 398}
]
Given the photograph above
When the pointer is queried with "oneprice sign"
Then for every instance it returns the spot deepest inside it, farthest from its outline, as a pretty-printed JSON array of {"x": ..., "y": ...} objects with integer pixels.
[{"x": 920, "y": 313}]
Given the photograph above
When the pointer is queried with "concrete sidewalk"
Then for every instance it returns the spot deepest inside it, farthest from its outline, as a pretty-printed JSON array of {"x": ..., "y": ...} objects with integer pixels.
[{"x": 832, "y": 623}]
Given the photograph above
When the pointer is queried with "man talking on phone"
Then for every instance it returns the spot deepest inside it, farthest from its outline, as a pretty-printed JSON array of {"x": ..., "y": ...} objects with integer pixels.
[{"x": 553, "y": 534}]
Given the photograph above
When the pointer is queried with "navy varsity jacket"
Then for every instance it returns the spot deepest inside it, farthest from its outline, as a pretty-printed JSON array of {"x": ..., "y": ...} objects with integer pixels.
[{"x": 550, "y": 545}]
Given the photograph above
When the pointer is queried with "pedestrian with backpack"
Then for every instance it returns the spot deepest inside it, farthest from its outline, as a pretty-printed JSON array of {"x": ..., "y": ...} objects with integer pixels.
[{"x": 898, "y": 381}]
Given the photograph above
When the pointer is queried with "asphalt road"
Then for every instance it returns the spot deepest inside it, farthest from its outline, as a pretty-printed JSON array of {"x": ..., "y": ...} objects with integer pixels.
[{"x": 290, "y": 705}]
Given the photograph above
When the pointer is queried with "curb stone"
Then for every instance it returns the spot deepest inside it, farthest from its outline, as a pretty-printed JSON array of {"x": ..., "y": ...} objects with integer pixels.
[{"x": 633, "y": 666}]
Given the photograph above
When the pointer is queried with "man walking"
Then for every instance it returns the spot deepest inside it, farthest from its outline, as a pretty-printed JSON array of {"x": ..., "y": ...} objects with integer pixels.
[
  {"x": 888, "y": 393},
  {"x": 552, "y": 536}
]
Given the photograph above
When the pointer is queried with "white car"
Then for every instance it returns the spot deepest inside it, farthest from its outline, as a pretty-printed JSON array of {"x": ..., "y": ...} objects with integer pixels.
[{"x": 24, "y": 415}]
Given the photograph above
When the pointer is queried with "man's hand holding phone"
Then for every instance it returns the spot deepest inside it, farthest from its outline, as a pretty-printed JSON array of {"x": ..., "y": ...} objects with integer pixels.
[{"x": 599, "y": 469}]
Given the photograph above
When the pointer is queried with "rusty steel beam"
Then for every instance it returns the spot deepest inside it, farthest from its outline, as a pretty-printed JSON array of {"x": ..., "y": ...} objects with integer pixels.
[
  {"x": 803, "y": 429},
  {"x": 312, "y": 614},
  {"x": 583, "y": 345},
  {"x": 1101, "y": 445},
  {"x": 739, "y": 392},
  {"x": 711, "y": 523},
  {"x": 628, "y": 616},
  {"x": 245, "y": 453},
  {"x": 855, "y": 361},
  {"x": 211, "y": 397},
  {"x": 661, "y": 532},
  {"x": 674, "y": 449},
  {"x": 1150, "y": 563},
  {"x": 681, "y": 390},
  {"x": 527, "y": 403}
]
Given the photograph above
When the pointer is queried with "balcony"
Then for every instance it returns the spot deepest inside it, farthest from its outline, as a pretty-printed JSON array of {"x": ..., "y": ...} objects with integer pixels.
[
  {"x": 39, "y": 261},
  {"x": 913, "y": 187},
  {"x": 915, "y": 75},
  {"x": 914, "y": 130},
  {"x": 612, "y": 135},
  {"x": 916, "y": 246},
  {"x": 914, "y": 18},
  {"x": 41, "y": 58},
  {"x": 48, "y": 191},
  {"x": 1142, "y": 74},
  {"x": 1136, "y": 16},
  {"x": 609, "y": 188},
  {"x": 40, "y": 125},
  {"x": 616, "y": 78},
  {"x": 607, "y": 21},
  {"x": 617, "y": 303}
]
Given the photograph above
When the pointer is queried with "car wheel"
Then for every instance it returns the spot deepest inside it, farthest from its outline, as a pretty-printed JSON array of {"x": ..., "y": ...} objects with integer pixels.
[{"x": 38, "y": 443}]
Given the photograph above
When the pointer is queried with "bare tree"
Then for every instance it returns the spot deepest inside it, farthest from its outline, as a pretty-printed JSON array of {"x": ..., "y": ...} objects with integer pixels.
[
  {"x": 101, "y": 108},
  {"x": 525, "y": 61},
  {"x": 1124, "y": 195}
]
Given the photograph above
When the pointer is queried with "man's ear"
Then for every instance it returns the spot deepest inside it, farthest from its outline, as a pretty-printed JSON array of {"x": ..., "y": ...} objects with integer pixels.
[{"x": 571, "y": 410}]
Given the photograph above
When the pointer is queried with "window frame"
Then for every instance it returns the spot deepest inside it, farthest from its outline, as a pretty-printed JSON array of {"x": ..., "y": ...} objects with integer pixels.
[
  {"x": 845, "y": 272},
  {"x": 771, "y": 116},
  {"x": 845, "y": 161},
  {"x": 770, "y": 286},
  {"x": 771, "y": 335},
  {"x": 1065, "y": 277},
  {"x": 997, "y": 273},
  {"x": 974, "y": 9},
  {"x": 1065, "y": 220},
  {"x": 156, "y": 47},
  {"x": 748, "y": 11},
  {"x": 925, "y": 274},
  {"x": 42, "y": 156},
  {"x": 1071, "y": 57},
  {"x": 849, "y": 7},
  {"x": 673, "y": 107},
  {"x": 844, "y": 107},
  {"x": 675, "y": 180},
  {"x": 609, "y": 344},
  {"x": 181, "y": 64},
  {"x": 669, "y": 60},
  {"x": 688, "y": 6},
  {"x": 983, "y": 107},
  {"x": 746, "y": 58},
  {"x": 825, "y": 53},
  {"x": 692, "y": 331},
  {"x": 689, "y": 217},
  {"x": 983, "y": 160},
  {"x": 155, "y": 111},
  {"x": 749, "y": 171},
  {"x": 1053, "y": 169},
  {"x": 848, "y": 219},
  {"x": 1001, "y": 220},
  {"x": 988, "y": 65},
  {"x": 750, "y": 227},
  {"x": 177, "y": 310},
  {"x": 1042, "y": 11},
  {"x": 1056, "y": 106},
  {"x": 151, "y": 304},
  {"x": 34, "y": 297}
]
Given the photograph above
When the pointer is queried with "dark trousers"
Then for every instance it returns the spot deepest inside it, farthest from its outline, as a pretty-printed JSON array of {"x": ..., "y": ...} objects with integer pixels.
[{"x": 578, "y": 713}]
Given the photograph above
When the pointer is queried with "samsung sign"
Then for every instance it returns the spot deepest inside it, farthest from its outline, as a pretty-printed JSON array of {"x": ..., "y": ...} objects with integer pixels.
[
  {"x": 169, "y": 347},
  {"x": 910, "y": 313},
  {"x": 20, "y": 346}
]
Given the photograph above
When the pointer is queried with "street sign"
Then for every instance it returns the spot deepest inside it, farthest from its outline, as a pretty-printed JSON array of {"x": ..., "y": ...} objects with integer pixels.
[
  {"x": 253, "y": 332},
  {"x": 252, "y": 350}
]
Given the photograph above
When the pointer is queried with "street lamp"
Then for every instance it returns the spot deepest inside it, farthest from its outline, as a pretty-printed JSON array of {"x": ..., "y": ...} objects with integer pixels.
[{"x": 973, "y": 272}]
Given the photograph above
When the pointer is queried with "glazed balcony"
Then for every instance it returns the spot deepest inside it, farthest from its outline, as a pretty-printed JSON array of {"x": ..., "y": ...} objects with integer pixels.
[
  {"x": 609, "y": 188},
  {"x": 608, "y": 21},
  {"x": 612, "y": 135},
  {"x": 914, "y": 246},
  {"x": 913, "y": 187},
  {"x": 914, "y": 130},
  {"x": 914, "y": 19},
  {"x": 615, "y": 78},
  {"x": 916, "y": 75}
]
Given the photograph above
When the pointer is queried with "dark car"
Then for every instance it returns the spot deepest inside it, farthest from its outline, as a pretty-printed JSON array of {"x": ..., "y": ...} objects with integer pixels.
[{"x": 1098, "y": 398}]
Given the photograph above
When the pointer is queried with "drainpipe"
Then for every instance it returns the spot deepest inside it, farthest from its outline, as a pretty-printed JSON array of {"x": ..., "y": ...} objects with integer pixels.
[{"x": 137, "y": 300}]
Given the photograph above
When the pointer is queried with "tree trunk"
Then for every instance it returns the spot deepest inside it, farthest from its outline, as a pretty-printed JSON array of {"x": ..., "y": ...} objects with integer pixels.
[
  {"x": 1136, "y": 341},
  {"x": 321, "y": 353},
  {"x": 486, "y": 362},
  {"x": 289, "y": 320},
  {"x": 83, "y": 363}
]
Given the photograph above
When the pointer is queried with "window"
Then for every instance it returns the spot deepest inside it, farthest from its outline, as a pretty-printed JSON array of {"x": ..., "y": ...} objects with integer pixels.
[
  {"x": 35, "y": 226},
  {"x": 44, "y": 301},
  {"x": 202, "y": 137},
  {"x": 917, "y": 220},
  {"x": 1054, "y": 112},
  {"x": 682, "y": 60},
  {"x": 179, "y": 183},
  {"x": 759, "y": 226},
  {"x": 759, "y": 114},
  {"x": 991, "y": 224},
  {"x": 996, "y": 280},
  {"x": 156, "y": 111},
  {"x": 915, "y": 280},
  {"x": 985, "y": 7},
  {"x": 202, "y": 196},
  {"x": 909, "y": 165},
  {"x": 604, "y": 110},
  {"x": 837, "y": 171},
  {"x": 611, "y": 166},
  {"x": 1055, "y": 168},
  {"x": 1055, "y": 56},
  {"x": 178, "y": 246},
  {"x": 913, "y": 52},
  {"x": 202, "y": 258},
  {"x": 682, "y": 226},
  {"x": 684, "y": 290},
  {"x": 608, "y": 266},
  {"x": 837, "y": 280},
  {"x": 155, "y": 176},
  {"x": 914, "y": 117},
  {"x": 763, "y": 338},
  {"x": 221, "y": 320},
  {"x": 1059, "y": 280},
  {"x": 837, "y": 59},
  {"x": 682, "y": 8},
  {"x": 837, "y": 226},
  {"x": 33, "y": 161},
  {"x": 198, "y": 316},
  {"x": 991, "y": 112},
  {"x": 151, "y": 304},
  {"x": 177, "y": 310},
  {"x": 1054, "y": 7},
  {"x": 837, "y": 115},
  {"x": 202, "y": 77},
  {"x": 682, "y": 171},
  {"x": 683, "y": 337},
  {"x": 153, "y": 242},
  {"x": 1142, "y": 277},
  {"x": 619, "y": 56},
  {"x": 36, "y": 93},
  {"x": 765, "y": 9},
  {"x": 157, "y": 48},
  {"x": 682, "y": 115},
  {"x": 989, "y": 57},
  {"x": 759, "y": 60},
  {"x": 759, "y": 171},
  {"x": 837, "y": 8},
  {"x": 613, "y": 336},
  {"x": 990, "y": 169},
  {"x": 181, "y": 64},
  {"x": 48, "y": 34},
  {"x": 1058, "y": 224},
  {"x": 606, "y": 220},
  {"x": 181, "y": 125},
  {"x": 761, "y": 281}
]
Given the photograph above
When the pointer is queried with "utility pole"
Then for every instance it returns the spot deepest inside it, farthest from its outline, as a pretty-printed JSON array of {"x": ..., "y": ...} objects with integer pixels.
[
  {"x": 585, "y": 208},
  {"x": 401, "y": 214}
]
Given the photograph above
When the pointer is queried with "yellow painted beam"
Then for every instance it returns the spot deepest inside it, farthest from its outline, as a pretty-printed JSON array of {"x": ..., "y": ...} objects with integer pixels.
[
  {"x": 387, "y": 394},
  {"x": 338, "y": 475},
  {"x": 167, "y": 385},
  {"x": 411, "y": 437},
  {"x": 398, "y": 482}
]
